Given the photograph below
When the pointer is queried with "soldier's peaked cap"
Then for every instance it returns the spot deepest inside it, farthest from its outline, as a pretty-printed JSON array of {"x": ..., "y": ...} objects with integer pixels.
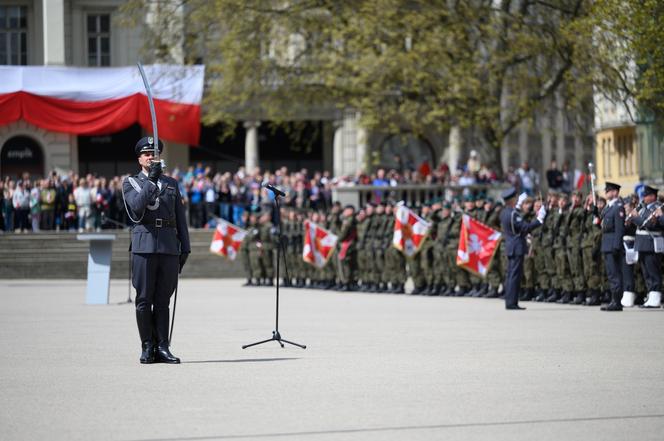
[
  {"x": 611, "y": 186},
  {"x": 508, "y": 194},
  {"x": 647, "y": 190},
  {"x": 146, "y": 144}
]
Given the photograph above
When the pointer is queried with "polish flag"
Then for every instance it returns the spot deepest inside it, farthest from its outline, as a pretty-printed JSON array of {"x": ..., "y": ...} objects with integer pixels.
[
  {"x": 319, "y": 244},
  {"x": 579, "y": 179},
  {"x": 227, "y": 239},
  {"x": 101, "y": 101},
  {"x": 410, "y": 231},
  {"x": 477, "y": 246}
]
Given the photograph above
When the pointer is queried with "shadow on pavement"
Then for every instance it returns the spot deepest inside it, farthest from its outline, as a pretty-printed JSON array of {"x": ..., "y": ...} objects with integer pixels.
[{"x": 242, "y": 360}]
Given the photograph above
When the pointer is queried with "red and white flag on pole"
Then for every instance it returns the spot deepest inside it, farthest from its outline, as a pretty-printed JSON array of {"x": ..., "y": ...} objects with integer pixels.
[
  {"x": 319, "y": 244},
  {"x": 579, "y": 179},
  {"x": 477, "y": 246},
  {"x": 410, "y": 231},
  {"x": 227, "y": 239}
]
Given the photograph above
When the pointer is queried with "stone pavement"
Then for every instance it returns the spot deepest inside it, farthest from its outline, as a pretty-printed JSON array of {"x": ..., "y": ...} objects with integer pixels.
[{"x": 377, "y": 367}]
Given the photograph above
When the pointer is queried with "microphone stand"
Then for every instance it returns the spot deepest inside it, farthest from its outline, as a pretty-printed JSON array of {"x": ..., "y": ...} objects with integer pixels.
[{"x": 276, "y": 336}]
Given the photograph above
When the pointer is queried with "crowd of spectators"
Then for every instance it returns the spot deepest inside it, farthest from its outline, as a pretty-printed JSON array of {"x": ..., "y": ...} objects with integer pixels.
[{"x": 71, "y": 202}]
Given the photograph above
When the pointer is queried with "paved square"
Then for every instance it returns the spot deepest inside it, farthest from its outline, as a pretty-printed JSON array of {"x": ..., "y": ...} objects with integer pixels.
[{"x": 377, "y": 367}]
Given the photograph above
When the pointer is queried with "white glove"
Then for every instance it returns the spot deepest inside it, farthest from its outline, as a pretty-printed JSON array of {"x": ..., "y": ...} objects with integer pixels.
[
  {"x": 541, "y": 214},
  {"x": 519, "y": 202}
]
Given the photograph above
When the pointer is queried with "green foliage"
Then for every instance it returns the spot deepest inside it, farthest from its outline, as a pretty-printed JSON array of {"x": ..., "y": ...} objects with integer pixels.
[{"x": 414, "y": 65}]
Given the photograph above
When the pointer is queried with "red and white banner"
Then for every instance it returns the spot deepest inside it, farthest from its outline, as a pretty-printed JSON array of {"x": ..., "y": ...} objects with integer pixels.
[
  {"x": 100, "y": 101},
  {"x": 319, "y": 244},
  {"x": 477, "y": 246},
  {"x": 579, "y": 179},
  {"x": 227, "y": 239},
  {"x": 410, "y": 231}
]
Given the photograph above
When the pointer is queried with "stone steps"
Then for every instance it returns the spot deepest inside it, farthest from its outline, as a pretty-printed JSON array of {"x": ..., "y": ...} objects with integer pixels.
[{"x": 60, "y": 256}]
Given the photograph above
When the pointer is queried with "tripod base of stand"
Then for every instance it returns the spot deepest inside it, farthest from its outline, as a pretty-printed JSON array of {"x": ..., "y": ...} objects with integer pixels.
[{"x": 275, "y": 337}]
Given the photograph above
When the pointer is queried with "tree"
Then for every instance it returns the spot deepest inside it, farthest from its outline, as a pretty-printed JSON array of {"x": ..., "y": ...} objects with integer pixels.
[{"x": 404, "y": 65}]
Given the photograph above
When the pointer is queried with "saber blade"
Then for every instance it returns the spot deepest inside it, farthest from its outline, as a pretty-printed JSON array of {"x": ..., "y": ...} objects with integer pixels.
[{"x": 153, "y": 113}]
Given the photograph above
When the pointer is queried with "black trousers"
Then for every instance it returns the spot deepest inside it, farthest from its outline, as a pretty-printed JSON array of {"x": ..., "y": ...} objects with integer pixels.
[
  {"x": 513, "y": 280},
  {"x": 155, "y": 276},
  {"x": 628, "y": 275},
  {"x": 651, "y": 267},
  {"x": 614, "y": 273}
]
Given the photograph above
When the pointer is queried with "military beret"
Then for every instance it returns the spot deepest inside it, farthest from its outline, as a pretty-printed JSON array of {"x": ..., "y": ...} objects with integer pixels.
[
  {"x": 146, "y": 144},
  {"x": 469, "y": 198},
  {"x": 608, "y": 186},
  {"x": 647, "y": 190},
  {"x": 447, "y": 204},
  {"x": 349, "y": 206},
  {"x": 489, "y": 200},
  {"x": 508, "y": 194}
]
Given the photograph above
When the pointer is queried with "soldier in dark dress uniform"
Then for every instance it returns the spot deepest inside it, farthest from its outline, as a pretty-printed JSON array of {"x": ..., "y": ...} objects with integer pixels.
[
  {"x": 613, "y": 230},
  {"x": 649, "y": 231},
  {"x": 515, "y": 231},
  {"x": 160, "y": 247}
]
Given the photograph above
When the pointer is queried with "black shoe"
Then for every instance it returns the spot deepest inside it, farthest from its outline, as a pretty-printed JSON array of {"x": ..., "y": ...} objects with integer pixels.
[
  {"x": 612, "y": 307},
  {"x": 417, "y": 290},
  {"x": 515, "y": 308},
  {"x": 248, "y": 283},
  {"x": 163, "y": 354},
  {"x": 553, "y": 298},
  {"x": 541, "y": 297},
  {"x": 147, "y": 353},
  {"x": 399, "y": 289},
  {"x": 566, "y": 298},
  {"x": 580, "y": 298},
  {"x": 492, "y": 293}
]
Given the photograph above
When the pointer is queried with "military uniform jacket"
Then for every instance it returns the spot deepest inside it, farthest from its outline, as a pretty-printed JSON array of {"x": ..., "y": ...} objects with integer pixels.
[
  {"x": 161, "y": 226},
  {"x": 515, "y": 230},
  {"x": 613, "y": 227},
  {"x": 647, "y": 231},
  {"x": 577, "y": 216}
]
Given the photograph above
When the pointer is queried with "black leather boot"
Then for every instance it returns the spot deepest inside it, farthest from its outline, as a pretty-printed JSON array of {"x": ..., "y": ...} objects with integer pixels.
[
  {"x": 162, "y": 353},
  {"x": 553, "y": 297},
  {"x": 566, "y": 297},
  {"x": 580, "y": 298},
  {"x": 594, "y": 299},
  {"x": 144, "y": 322}
]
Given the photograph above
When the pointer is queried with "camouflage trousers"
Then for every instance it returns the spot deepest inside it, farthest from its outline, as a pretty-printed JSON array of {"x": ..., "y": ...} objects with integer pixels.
[
  {"x": 563, "y": 278},
  {"x": 395, "y": 267},
  {"x": 574, "y": 257}
]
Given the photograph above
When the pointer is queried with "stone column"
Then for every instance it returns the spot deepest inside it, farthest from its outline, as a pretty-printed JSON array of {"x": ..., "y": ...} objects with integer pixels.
[
  {"x": 251, "y": 158},
  {"x": 54, "y": 32},
  {"x": 337, "y": 148},
  {"x": 454, "y": 149}
]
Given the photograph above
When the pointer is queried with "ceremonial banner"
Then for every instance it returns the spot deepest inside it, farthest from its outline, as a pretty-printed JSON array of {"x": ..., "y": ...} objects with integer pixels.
[
  {"x": 579, "y": 179},
  {"x": 100, "y": 101},
  {"x": 227, "y": 239},
  {"x": 477, "y": 246},
  {"x": 319, "y": 244},
  {"x": 410, "y": 231}
]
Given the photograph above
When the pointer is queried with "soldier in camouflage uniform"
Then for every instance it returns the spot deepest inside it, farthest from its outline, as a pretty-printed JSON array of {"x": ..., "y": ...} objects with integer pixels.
[
  {"x": 496, "y": 270},
  {"x": 245, "y": 247},
  {"x": 442, "y": 274},
  {"x": 590, "y": 251},
  {"x": 416, "y": 267},
  {"x": 544, "y": 255},
  {"x": 577, "y": 217},
  {"x": 347, "y": 249},
  {"x": 395, "y": 262},
  {"x": 466, "y": 278},
  {"x": 378, "y": 248},
  {"x": 255, "y": 252},
  {"x": 267, "y": 244},
  {"x": 333, "y": 225},
  {"x": 529, "y": 275},
  {"x": 460, "y": 283},
  {"x": 427, "y": 251},
  {"x": 365, "y": 219},
  {"x": 563, "y": 284}
]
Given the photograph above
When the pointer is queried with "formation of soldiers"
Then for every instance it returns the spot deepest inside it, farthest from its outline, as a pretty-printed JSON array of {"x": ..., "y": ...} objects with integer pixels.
[{"x": 564, "y": 263}]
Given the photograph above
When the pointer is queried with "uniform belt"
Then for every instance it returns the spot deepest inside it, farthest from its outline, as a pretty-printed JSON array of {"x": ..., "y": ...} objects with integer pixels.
[
  {"x": 630, "y": 238},
  {"x": 648, "y": 233},
  {"x": 161, "y": 223}
]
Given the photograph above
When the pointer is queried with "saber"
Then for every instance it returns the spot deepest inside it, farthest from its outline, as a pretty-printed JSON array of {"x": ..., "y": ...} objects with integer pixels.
[
  {"x": 592, "y": 182},
  {"x": 153, "y": 113}
]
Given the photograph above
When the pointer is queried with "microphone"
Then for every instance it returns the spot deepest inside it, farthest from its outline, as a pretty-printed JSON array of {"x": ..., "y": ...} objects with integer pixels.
[{"x": 274, "y": 190}]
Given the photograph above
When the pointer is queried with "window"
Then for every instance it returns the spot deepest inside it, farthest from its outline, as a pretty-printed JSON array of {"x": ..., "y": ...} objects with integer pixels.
[
  {"x": 13, "y": 35},
  {"x": 99, "y": 39}
]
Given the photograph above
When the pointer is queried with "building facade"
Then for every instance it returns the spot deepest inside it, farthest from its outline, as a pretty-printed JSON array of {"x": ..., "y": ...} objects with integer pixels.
[{"x": 88, "y": 33}]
